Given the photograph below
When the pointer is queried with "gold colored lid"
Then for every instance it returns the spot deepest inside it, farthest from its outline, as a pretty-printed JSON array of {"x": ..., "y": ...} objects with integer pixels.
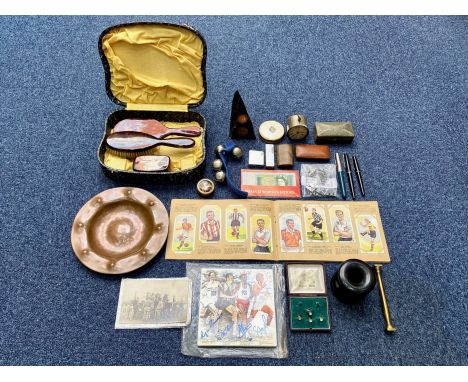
[{"x": 205, "y": 187}]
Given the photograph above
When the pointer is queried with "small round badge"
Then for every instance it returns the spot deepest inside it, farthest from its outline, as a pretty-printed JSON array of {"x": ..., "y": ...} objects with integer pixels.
[
  {"x": 271, "y": 131},
  {"x": 205, "y": 187}
]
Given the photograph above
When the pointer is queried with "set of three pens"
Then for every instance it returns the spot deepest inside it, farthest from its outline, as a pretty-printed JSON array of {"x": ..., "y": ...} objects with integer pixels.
[{"x": 340, "y": 175}]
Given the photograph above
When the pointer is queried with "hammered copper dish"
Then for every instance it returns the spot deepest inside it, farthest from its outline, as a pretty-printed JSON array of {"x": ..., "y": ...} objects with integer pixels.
[{"x": 119, "y": 230}]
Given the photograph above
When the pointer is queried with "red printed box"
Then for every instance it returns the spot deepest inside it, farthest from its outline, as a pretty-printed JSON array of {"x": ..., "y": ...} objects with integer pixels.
[{"x": 271, "y": 183}]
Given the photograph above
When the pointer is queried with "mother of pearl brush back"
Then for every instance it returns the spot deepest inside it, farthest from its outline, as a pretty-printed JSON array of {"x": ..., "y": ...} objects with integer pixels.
[
  {"x": 134, "y": 141},
  {"x": 154, "y": 128}
]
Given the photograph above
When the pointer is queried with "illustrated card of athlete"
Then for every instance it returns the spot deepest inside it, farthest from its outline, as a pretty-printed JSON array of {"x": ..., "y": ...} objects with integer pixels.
[
  {"x": 237, "y": 308},
  {"x": 184, "y": 239},
  {"x": 236, "y": 223},
  {"x": 291, "y": 233},
  {"x": 370, "y": 239},
  {"x": 210, "y": 224},
  {"x": 261, "y": 232},
  {"x": 341, "y": 223},
  {"x": 315, "y": 223}
]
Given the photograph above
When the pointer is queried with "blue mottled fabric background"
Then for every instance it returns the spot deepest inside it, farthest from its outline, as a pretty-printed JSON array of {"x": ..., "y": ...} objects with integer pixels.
[{"x": 401, "y": 80}]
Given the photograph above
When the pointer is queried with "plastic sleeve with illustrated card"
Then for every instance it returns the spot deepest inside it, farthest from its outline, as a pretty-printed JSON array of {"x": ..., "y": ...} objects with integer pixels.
[{"x": 238, "y": 310}]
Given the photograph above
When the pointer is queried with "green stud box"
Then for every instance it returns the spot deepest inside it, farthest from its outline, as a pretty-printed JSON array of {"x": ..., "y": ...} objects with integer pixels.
[{"x": 309, "y": 313}]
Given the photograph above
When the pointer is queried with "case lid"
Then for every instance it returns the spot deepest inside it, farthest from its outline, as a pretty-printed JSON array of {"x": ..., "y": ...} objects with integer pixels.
[{"x": 154, "y": 66}]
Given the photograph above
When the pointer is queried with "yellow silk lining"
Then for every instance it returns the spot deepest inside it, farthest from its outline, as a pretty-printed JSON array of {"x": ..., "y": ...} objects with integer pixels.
[
  {"x": 180, "y": 159},
  {"x": 146, "y": 107},
  {"x": 155, "y": 65}
]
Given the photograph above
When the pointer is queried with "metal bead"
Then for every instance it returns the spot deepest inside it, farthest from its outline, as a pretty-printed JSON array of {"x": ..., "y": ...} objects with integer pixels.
[
  {"x": 218, "y": 149},
  {"x": 217, "y": 164},
  {"x": 220, "y": 176},
  {"x": 237, "y": 152}
]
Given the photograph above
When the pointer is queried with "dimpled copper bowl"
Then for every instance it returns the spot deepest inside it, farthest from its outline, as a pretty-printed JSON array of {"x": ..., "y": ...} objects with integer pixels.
[{"x": 119, "y": 230}]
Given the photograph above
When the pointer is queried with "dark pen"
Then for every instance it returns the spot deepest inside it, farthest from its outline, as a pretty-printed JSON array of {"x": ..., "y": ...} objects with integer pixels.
[
  {"x": 350, "y": 178},
  {"x": 339, "y": 171},
  {"x": 357, "y": 170}
]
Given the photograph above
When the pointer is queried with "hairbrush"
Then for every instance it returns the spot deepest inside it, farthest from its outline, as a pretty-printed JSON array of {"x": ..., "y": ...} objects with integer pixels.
[
  {"x": 154, "y": 128},
  {"x": 137, "y": 142}
]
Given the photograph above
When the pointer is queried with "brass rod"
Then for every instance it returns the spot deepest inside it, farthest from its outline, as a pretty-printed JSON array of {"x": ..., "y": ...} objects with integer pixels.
[{"x": 389, "y": 328}]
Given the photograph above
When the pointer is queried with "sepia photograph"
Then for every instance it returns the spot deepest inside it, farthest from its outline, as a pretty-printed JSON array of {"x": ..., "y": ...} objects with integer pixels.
[{"x": 154, "y": 303}]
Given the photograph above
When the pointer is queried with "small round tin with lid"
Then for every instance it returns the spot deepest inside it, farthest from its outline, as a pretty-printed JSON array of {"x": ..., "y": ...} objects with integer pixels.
[
  {"x": 271, "y": 131},
  {"x": 205, "y": 187},
  {"x": 297, "y": 127}
]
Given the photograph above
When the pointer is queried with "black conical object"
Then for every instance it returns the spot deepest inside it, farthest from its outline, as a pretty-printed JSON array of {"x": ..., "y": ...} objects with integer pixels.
[{"x": 241, "y": 124}]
